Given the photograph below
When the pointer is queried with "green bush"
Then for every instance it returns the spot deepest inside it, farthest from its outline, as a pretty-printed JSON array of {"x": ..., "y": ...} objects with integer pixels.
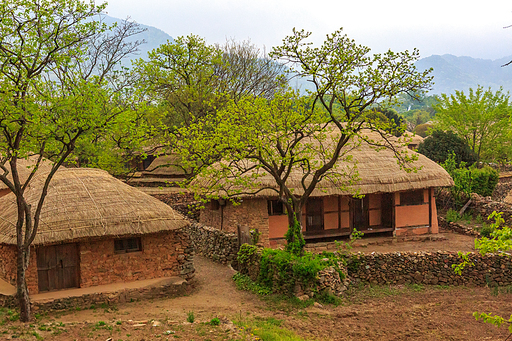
[
  {"x": 441, "y": 145},
  {"x": 280, "y": 270},
  {"x": 482, "y": 181}
]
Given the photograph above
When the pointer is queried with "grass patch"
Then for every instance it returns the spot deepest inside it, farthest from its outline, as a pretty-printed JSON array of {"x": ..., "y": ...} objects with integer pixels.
[{"x": 268, "y": 329}]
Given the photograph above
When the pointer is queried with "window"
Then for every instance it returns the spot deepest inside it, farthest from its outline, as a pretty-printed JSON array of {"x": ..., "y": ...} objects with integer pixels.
[
  {"x": 127, "y": 245},
  {"x": 411, "y": 197},
  {"x": 214, "y": 205},
  {"x": 275, "y": 207}
]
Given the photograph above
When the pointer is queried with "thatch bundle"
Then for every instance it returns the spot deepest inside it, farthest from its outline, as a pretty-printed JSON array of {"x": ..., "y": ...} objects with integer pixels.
[
  {"x": 25, "y": 167},
  {"x": 378, "y": 170},
  {"x": 85, "y": 202}
]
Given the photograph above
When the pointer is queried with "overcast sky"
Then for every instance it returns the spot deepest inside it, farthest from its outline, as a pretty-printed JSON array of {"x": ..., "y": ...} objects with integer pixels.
[{"x": 462, "y": 28}]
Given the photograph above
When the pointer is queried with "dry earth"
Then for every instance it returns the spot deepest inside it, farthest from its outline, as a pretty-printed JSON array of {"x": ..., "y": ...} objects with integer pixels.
[{"x": 380, "y": 313}]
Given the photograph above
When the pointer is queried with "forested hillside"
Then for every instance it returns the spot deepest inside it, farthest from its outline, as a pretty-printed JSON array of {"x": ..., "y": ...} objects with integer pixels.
[{"x": 460, "y": 73}]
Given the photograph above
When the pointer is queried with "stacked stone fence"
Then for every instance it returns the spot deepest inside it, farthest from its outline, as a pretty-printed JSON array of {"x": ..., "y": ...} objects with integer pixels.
[
  {"x": 110, "y": 299},
  {"x": 219, "y": 246},
  {"x": 457, "y": 228},
  {"x": 433, "y": 268}
]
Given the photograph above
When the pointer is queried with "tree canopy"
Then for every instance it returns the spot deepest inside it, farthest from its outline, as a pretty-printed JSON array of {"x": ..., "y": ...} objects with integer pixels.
[
  {"x": 58, "y": 89},
  {"x": 481, "y": 118},
  {"x": 305, "y": 136}
]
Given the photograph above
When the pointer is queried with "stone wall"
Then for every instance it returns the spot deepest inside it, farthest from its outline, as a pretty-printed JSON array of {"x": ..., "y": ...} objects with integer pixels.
[
  {"x": 8, "y": 263},
  {"x": 457, "y": 228},
  {"x": 164, "y": 254},
  {"x": 216, "y": 245},
  {"x": 169, "y": 289},
  {"x": 429, "y": 268},
  {"x": 485, "y": 206},
  {"x": 251, "y": 212}
]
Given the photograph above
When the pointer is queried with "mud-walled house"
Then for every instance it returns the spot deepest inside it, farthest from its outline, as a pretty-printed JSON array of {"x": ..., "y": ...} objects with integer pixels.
[
  {"x": 95, "y": 230},
  {"x": 395, "y": 202}
]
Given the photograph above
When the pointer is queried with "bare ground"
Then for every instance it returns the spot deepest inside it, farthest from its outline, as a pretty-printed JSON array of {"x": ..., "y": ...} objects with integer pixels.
[{"x": 378, "y": 313}]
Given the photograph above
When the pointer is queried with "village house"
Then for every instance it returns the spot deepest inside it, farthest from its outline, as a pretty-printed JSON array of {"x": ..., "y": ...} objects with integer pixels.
[
  {"x": 396, "y": 201},
  {"x": 95, "y": 230}
]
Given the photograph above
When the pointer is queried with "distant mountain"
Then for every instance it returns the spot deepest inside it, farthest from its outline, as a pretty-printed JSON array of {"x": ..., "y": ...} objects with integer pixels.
[
  {"x": 461, "y": 73},
  {"x": 153, "y": 36}
]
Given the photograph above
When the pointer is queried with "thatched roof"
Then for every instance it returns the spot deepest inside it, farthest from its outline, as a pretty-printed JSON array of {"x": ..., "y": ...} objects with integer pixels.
[
  {"x": 25, "y": 167},
  {"x": 165, "y": 166},
  {"x": 85, "y": 202},
  {"x": 379, "y": 172}
]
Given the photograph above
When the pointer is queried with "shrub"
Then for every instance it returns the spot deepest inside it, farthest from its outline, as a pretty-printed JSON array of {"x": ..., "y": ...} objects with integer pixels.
[{"x": 440, "y": 145}]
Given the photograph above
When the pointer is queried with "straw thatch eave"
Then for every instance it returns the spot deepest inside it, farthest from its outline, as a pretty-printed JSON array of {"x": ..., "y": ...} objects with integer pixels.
[
  {"x": 25, "y": 167},
  {"x": 378, "y": 170},
  {"x": 85, "y": 203}
]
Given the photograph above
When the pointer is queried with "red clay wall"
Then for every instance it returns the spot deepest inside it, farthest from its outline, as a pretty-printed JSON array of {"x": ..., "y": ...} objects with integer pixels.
[
  {"x": 163, "y": 254},
  {"x": 159, "y": 258},
  {"x": 8, "y": 263},
  {"x": 414, "y": 219}
]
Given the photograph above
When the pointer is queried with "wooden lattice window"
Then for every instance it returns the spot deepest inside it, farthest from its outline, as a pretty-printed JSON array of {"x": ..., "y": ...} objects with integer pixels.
[
  {"x": 411, "y": 197},
  {"x": 127, "y": 245}
]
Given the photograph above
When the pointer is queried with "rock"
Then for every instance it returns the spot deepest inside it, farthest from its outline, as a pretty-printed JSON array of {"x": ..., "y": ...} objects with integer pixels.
[
  {"x": 138, "y": 325},
  {"x": 303, "y": 297},
  {"x": 317, "y": 305},
  {"x": 156, "y": 324}
]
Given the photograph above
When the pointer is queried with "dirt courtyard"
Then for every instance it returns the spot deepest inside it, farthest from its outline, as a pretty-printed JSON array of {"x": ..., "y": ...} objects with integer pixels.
[{"x": 369, "y": 313}]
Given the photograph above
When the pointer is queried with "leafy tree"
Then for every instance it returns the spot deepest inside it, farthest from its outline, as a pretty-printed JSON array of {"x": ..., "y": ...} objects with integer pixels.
[
  {"x": 58, "y": 89},
  {"x": 423, "y": 129},
  {"x": 481, "y": 119},
  {"x": 190, "y": 79},
  {"x": 441, "y": 145},
  {"x": 266, "y": 141}
]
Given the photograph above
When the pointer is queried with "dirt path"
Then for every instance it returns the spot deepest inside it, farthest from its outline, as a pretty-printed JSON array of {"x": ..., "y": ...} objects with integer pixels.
[{"x": 379, "y": 313}]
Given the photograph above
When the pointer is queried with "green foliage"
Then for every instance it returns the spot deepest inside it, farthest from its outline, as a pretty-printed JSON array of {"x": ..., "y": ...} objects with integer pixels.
[
  {"x": 215, "y": 321},
  {"x": 274, "y": 136},
  {"x": 481, "y": 118},
  {"x": 255, "y": 236},
  {"x": 344, "y": 248},
  {"x": 452, "y": 216},
  {"x": 190, "y": 317},
  {"x": 500, "y": 241},
  {"x": 441, "y": 145},
  {"x": 294, "y": 239},
  {"x": 245, "y": 253},
  {"x": 244, "y": 282},
  {"x": 268, "y": 329},
  {"x": 482, "y": 181}
]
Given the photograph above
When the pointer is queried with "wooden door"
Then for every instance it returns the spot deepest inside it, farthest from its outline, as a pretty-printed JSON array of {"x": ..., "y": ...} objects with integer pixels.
[
  {"x": 387, "y": 210},
  {"x": 359, "y": 212},
  {"x": 315, "y": 214},
  {"x": 58, "y": 267}
]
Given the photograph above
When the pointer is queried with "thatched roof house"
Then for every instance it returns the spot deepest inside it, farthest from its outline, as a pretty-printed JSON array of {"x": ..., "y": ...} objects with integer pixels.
[
  {"x": 396, "y": 201},
  {"x": 95, "y": 229}
]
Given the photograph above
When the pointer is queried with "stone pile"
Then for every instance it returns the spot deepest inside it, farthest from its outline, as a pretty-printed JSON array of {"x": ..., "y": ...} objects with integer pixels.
[
  {"x": 485, "y": 206},
  {"x": 329, "y": 281},
  {"x": 457, "y": 228},
  {"x": 433, "y": 268},
  {"x": 219, "y": 246}
]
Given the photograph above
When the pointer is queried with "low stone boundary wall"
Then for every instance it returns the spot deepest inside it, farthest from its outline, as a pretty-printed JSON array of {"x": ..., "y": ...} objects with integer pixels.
[
  {"x": 429, "y": 268},
  {"x": 457, "y": 228},
  {"x": 214, "y": 244},
  {"x": 173, "y": 289}
]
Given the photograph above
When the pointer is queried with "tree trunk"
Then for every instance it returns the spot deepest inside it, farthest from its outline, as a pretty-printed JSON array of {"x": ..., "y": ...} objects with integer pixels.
[
  {"x": 21, "y": 284},
  {"x": 294, "y": 238}
]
